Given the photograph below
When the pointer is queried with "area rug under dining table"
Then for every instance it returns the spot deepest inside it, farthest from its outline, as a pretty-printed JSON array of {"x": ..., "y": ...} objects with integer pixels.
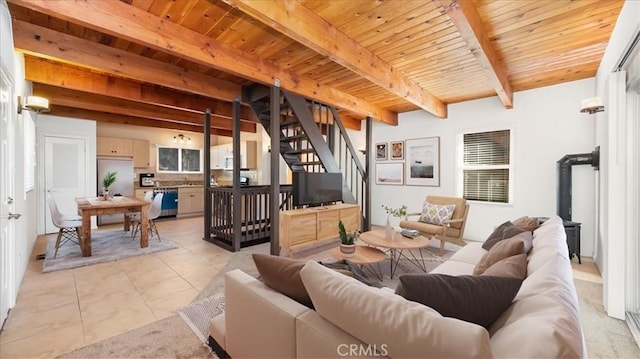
[{"x": 106, "y": 246}]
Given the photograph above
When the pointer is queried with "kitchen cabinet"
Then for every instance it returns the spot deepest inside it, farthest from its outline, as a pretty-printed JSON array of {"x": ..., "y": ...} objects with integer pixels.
[
  {"x": 190, "y": 200},
  {"x": 141, "y": 153},
  {"x": 114, "y": 147},
  {"x": 141, "y": 192},
  {"x": 218, "y": 155},
  {"x": 222, "y": 156}
]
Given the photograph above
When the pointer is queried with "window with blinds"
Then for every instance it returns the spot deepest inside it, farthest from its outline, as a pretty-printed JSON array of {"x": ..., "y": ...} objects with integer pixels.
[{"x": 486, "y": 166}]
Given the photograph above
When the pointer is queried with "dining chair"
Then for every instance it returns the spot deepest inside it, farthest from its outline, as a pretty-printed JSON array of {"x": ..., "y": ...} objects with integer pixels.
[
  {"x": 64, "y": 216},
  {"x": 136, "y": 215},
  {"x": 154, "y": 212},
  {"x": 69, "y": 228}
]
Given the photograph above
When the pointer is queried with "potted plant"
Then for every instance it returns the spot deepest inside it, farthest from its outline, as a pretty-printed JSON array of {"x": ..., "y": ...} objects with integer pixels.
[
  {"x": 347, "y": 241},
  {"x": 396, "y": 212},
  {"x": 108, "y": 179}
]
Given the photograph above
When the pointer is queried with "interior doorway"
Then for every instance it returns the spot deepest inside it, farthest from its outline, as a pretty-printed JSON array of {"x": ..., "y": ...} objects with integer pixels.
[
  {"x": 64, "y": 174},
  {"x": 7, "y": 219}
]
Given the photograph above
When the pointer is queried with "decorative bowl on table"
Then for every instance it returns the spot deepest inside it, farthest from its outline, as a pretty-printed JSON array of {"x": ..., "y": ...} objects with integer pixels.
[{"x": 117, "y": 197}]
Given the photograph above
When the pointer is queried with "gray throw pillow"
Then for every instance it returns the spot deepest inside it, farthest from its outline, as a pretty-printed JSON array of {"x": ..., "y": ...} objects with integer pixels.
[
  {"x": 504, "y": 231},
  {"x": 475, "y": 299}
]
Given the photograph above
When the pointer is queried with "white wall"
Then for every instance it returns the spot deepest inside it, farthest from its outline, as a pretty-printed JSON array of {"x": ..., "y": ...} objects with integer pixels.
[
  {"x": 547, "y": 125},
  {"x": 26, "y": 203},
  {"x": 611, "y": 132}
]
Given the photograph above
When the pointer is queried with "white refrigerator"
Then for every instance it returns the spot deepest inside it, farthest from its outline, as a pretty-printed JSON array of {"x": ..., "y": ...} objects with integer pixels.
[{"x": 124, "y": 183}]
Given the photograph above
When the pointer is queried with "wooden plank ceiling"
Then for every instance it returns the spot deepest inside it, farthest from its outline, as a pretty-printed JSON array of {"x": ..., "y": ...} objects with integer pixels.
[{"x": 160, "y": 63}]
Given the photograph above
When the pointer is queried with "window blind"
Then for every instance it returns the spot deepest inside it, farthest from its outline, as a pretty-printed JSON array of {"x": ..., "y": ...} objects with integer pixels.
[{"x": 486, "y": 166}]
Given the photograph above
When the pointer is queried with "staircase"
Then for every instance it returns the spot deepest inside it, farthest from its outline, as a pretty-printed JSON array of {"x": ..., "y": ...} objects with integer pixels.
[{"x": 313, "y": 139}]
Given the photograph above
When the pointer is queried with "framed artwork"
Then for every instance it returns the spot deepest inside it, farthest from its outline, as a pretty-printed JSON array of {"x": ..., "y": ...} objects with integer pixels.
[
  {"x": 423, "y": 161},
  {"x": 381, "y": 151},
  {"x": 390, "y": 173},
  {"x": 397, "y": 150}
]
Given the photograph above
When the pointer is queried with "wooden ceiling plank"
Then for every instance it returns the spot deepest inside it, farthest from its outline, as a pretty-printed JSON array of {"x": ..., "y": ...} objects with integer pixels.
[
  {"x": 390, "y": 33},
  {"x": 98, "y": 116},
  {"x": 306, "y": 27},
  {"x": 72, "y": 98},
  {"x": 468, "y": 22},
  {"x": 58, "y": 74},
  {"x": 122, "y": 20}
]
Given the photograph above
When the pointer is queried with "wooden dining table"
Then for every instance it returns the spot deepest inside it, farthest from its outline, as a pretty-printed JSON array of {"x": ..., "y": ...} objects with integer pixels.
[{"x": 94, "y": 206}]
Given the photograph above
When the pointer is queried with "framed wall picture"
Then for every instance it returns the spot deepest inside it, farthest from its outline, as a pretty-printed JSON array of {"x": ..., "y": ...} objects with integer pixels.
[
  {"x": 397, "y": 150},
  {"x": 390, "y": 173},
  {"x": 381, "y": 151},
  {"x": 423, "y": 161}
]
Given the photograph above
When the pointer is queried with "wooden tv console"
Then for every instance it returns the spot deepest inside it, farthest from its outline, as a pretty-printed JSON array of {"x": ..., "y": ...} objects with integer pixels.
[{"x": 307, "y": 226}]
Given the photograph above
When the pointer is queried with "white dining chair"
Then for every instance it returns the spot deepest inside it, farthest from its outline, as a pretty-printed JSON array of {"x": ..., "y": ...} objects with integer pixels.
[
  {"x": 148, "y": 196},
  {"x": 69, "y": 228},
  {"x": 154, "y": 212},
  {"x": 64, "y": 216}
]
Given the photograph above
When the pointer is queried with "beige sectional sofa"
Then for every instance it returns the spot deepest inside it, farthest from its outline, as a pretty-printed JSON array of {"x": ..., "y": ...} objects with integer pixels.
[{"x": 352, "y": 319}]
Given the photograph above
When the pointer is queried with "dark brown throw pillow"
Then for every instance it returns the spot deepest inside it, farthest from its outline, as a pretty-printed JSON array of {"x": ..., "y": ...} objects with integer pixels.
[
  {"x": 511, "y": 267},
  {"x": 283, "y": 275},
  {"x": 502, "y": 250},
  {"x": 527, "y": 223},
  {"x": 504, "y": 231},
  {"x": 475, "y": 299}
]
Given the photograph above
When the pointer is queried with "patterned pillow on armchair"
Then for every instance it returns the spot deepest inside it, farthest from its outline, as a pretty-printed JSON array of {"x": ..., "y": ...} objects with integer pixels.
[{"x": 435, "y": 213}]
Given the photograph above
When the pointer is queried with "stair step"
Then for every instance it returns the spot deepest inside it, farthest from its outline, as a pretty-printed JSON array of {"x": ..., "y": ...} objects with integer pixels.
[
  {"x": 289, "y": 122},
  {"x": 298, "y": 152},
  {"x": 312, "y": 163},
  {"x": 293, "y": 138}
]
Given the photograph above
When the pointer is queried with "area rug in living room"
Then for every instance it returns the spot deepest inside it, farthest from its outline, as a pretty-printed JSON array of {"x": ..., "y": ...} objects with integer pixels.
[{"x": 106, "y": 246}]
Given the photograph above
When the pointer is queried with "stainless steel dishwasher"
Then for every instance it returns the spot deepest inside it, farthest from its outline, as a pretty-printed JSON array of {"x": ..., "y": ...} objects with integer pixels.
[{"x": 169, "y": 201}]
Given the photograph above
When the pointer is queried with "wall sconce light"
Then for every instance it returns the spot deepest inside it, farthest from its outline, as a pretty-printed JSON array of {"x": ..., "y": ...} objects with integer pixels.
[
  {"x": 181, "y": 139},
  {"x": 33, "y": 103},
  {"x": 591, "y": 105}
]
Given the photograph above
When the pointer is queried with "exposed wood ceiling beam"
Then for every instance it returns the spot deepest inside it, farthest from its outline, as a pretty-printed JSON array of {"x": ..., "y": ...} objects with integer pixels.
[
  {"x": 48, "y": 72},
  {"x": 83, "y": 100},
  {"x": 125, "y": 21},
  {"x": 58, "y": 74},
  {"x": 73, "y": 112},
  {"x": 298, "y": 22},
  {"x": 467, "y": 20},
  {"x": 42, "y": 42}
]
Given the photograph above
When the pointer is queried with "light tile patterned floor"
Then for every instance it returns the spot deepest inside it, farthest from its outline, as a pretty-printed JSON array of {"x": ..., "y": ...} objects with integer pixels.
[{"x": 60, "y": 311}]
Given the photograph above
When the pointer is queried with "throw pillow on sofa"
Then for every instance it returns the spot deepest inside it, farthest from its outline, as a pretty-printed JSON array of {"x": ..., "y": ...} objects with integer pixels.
[
  {"x": 527, "y": 223},
  {"x": 435, "y": 213},
  {"x": 503, "y": 249},
  {"x": 283, "y": 275},
  {"x": 512, "y": 267},
  {"x": 504, "y": 231},
  {"x": 388, "y": 323},
  {"x": 475, "y": 299}
]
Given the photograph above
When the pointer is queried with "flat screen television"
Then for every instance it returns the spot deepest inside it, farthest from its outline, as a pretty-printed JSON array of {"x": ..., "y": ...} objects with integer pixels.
[{"x": 315, "y": 189}]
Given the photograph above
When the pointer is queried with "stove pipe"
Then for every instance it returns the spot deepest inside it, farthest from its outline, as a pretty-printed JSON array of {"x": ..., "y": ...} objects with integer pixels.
[{"x": 564, "y": 178}]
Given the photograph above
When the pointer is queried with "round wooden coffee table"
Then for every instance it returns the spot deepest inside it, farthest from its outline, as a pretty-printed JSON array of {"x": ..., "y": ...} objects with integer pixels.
[
  {"x": 397, "y": 247},
  {"x": 363, "y": 255}
]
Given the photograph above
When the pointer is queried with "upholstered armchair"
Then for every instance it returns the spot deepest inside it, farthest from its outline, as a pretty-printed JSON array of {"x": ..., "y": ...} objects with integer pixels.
[{"x": 444, "y": 229}]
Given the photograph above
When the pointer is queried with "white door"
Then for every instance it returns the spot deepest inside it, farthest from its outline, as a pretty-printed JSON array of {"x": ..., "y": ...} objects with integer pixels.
[
  {"x": 7, "y": 170},
  {"x": 65, "y": 173}
]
